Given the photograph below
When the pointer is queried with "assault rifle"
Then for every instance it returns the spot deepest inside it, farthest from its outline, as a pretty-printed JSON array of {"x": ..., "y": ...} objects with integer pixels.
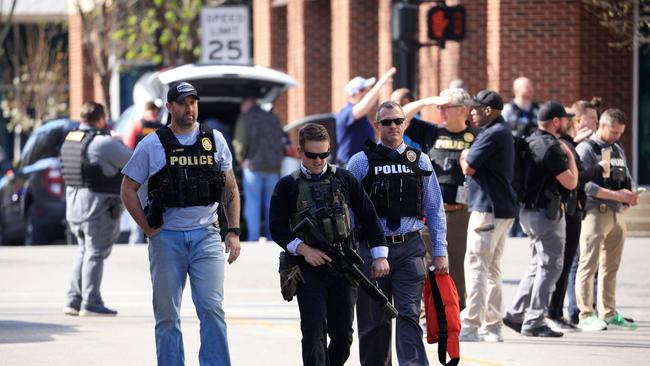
[{"x": 344, "y": 260}]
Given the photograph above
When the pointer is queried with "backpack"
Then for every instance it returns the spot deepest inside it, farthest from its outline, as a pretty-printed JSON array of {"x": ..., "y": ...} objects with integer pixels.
[
  {"x": 522, "y": 166},
  {"x": 442, "y": 312},
  {"x": 528, "y": 190}
]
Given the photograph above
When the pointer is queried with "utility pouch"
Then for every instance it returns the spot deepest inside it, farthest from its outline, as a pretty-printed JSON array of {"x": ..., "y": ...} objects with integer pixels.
[
  {"x": 552, "y": 210},
  {"x": 290, "y": 276}
]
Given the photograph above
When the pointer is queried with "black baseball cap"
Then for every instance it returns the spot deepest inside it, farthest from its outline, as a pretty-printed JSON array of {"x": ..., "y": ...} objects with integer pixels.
[
  {"x": 488, "y": 98},
  {"x": 552, "y": 109},
  {"x": 179, "y": 90}
]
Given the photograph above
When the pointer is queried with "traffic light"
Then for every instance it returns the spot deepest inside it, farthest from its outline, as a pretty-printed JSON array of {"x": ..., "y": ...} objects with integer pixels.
[
  {"x": 446, "y": 23},
  {"x": 405, "y": 22}
]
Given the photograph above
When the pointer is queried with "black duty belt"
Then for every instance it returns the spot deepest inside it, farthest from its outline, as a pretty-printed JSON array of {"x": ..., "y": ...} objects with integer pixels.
[{"x": 402, "y": 238}]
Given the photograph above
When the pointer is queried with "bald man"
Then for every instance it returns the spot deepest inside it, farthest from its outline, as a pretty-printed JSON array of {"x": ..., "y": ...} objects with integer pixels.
[{"x": 521, "y": 113}]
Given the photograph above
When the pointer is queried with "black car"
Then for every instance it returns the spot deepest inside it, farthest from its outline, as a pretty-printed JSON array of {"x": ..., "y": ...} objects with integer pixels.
[{"x": 32, "y": 195}]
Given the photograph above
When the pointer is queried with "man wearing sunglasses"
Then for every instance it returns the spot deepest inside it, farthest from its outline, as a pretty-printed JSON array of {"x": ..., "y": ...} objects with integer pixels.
[
  {"x": 404, "y": 190},
  {"x": 491, "y": 201},
  {"x": 443, "y": 144},
  {"x": 325, "y": 194}
]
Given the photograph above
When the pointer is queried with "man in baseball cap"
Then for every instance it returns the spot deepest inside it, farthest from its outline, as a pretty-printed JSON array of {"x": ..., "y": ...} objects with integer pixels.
[
  {"x": 490, "y": 163},
  {"x": 352, "y": 126}
]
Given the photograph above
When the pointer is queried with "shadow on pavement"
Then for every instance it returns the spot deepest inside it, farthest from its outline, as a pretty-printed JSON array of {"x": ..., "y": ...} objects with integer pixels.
[{"x": 12, "y": 331}]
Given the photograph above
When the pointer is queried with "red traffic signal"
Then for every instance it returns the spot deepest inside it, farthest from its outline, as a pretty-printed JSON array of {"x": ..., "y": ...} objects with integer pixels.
[{"x": 446, "y": 23}]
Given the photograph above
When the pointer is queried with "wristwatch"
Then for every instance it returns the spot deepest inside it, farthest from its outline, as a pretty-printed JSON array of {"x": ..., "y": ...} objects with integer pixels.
[{"x": 235, "y": 230}]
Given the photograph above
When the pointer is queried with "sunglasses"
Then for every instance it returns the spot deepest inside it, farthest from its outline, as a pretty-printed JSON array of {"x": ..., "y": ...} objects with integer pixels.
[
  {"x": 388, "y": 122},
  {"x": 313, "y": 156}
]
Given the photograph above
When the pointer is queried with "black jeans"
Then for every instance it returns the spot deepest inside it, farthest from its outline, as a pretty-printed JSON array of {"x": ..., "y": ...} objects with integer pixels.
[
  {"x": 326, "y": 302},
  {"x": 573, "y": 225}
]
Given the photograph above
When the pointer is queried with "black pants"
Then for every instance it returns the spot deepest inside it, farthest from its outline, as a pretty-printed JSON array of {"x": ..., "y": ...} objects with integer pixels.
[
  {"x": 573, "y": 225},
  {"x": 326, "y": 302}
]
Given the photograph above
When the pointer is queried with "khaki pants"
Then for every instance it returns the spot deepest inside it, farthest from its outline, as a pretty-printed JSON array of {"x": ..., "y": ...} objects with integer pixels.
[
  {"x": 483, "y": 270},
  {"x": 601, "y": 247},
  {"x": 456, "y": 247}
]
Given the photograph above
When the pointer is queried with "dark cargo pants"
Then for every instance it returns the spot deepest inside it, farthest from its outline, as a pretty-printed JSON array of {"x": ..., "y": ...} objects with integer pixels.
[{"x": 404, "y": 286}]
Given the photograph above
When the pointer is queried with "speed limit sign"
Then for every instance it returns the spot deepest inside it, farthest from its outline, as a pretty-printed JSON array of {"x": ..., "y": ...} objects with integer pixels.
[{"x": 225, "y": 35}]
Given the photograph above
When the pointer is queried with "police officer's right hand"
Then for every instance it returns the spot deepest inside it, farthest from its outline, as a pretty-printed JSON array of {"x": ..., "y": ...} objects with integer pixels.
[
  {"x": 380, "y": 267},
  {"x": 313, "y": 256},
  {"x": 151, "y": 232}
]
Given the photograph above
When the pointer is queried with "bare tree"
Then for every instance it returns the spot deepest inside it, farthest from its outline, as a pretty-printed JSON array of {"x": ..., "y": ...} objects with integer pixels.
[
  {"x": 100, "y": 20},
  {"x": 5, "y": 24},
  {"x": 38, "y": 76},
  {"x": 618, "y": 17}
]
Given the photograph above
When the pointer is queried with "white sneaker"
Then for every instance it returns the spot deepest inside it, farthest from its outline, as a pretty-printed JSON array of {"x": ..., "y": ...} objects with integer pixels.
[
  {"x": 592, "y": 324},
  {"x": 468, "y": 334},
  {"x": 68, "y": 310},
  {"x": 493, "y": 336}
]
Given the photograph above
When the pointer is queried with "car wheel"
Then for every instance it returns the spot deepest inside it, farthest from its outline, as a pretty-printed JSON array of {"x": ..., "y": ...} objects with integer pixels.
[{"x": 33, "y": 233}]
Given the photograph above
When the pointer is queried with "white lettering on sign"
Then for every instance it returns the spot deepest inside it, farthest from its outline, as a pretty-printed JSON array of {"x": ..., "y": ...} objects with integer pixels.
[{"x": 225, "y": 37}]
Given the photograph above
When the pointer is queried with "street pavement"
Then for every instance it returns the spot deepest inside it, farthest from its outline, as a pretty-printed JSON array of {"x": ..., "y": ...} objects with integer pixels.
[{"x": 262, "y": 328}]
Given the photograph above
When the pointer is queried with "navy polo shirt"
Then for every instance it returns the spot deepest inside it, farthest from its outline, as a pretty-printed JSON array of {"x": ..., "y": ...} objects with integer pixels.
[
  {"x": 492, "y": 156},
  {"x": 351, "y": 134}
]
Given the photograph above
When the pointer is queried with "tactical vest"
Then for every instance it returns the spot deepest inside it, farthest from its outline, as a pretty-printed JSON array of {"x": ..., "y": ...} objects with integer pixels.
[
  {"x": 147, "y": 128},
  {"x": 619, "y": 175},
  {"x": 394, "y": 181},
  {"x": 76, "y": 169},
  {"x": 445, "y": 155},
  {"x": 191, "y": 176},
  {"x": 324, "y": 202}
]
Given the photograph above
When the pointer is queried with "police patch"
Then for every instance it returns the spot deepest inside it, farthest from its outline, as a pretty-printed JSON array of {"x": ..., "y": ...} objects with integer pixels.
[
  {"x": 411, "y": 156},
  {"x": 206, "y": 143},
  {"x": 468, "y": 137}
]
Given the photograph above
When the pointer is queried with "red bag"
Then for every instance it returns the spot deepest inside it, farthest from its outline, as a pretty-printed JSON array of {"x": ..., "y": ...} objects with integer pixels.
[{"x": 442, "y": 312}]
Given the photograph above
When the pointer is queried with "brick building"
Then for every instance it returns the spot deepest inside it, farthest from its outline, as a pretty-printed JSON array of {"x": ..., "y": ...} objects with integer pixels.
[{"x": 558, "y": 44}]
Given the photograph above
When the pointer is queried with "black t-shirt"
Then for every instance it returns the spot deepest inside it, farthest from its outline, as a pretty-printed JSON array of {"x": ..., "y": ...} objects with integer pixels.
[
  {"x": 284, "y": 204},
  {"x": 550, "y": 161}
]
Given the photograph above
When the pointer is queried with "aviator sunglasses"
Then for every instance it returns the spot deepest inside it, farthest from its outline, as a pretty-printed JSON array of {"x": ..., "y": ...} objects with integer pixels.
[
  {"x": 313, "y": 156},
  {"x": 388, "y": 122}
]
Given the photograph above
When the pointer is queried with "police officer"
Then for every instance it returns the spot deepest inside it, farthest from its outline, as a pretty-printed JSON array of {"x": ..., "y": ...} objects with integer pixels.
[
  {"x": 444, "y": 143},
  {"x": 90, "y": 164},
  {"x": 188, "y": 168},
  {"x": 603, "y": 228},
  {"x": 325, "y": 194},
  {"x": 550, "y": 172},
  {"x": 404, "y": 190}
]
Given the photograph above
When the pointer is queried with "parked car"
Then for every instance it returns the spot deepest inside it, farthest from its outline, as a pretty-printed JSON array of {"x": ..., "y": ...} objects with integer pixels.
[{"x": 32, "y": 195}]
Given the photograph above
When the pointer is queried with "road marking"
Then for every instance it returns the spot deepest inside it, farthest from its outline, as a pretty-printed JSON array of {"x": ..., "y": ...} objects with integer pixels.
[{"x": 463, "y": 359}]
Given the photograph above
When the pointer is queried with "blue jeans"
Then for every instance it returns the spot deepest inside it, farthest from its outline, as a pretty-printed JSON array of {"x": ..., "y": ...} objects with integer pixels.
[
  {"x": 258, "y": 187},
  {"x": 172, "y": 256}
]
